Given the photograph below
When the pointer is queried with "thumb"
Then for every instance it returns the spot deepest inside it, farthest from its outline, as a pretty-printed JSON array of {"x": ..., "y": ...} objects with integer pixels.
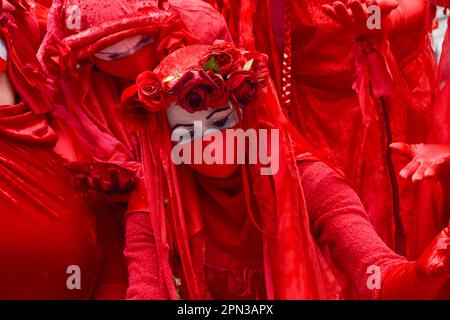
[
  {"x": 402, "y": 148},
  {"x": 386, "y": 6},
  {"x": 79, "y": 167}
]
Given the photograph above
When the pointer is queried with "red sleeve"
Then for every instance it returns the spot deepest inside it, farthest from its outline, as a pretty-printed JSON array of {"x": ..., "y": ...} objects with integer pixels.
[
  {"x": 341, "y": 227},
  {"x": 112, "y": 279},
  {"x": 140, "y": 251}
]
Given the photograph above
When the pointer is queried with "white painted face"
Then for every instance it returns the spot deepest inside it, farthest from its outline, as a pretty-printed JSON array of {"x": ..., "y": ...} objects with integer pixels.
[
  {"x": 124, "y": 48},
  {"x": 211, "y": 119}
]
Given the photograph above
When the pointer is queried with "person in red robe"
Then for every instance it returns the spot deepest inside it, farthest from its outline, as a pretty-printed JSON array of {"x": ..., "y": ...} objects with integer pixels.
[
  {"x": 351, "y": 99},
  {"x": 226, "y": 230},
  {"x": 91, "y": 51},
  {"x": 50, "y": 230}
]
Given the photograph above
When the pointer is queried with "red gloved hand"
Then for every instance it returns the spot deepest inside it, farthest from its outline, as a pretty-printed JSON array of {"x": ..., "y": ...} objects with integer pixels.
[
  {"x": 427, "y": 160},
  {"x": 16, "y": 4},
  {"x": 108, "y": 178},
  {"x": 423, "y": 278},
  {"x": 354, "y": 15}
]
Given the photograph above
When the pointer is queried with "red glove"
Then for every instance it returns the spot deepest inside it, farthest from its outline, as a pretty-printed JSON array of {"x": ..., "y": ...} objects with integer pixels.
[
  {"x": 109, "y": 178},
  {"x": 427, "y": 160},
  {"x": 16, "y": 4},
  {"x": 354, "y": 15},
  {"x": 423, "y": 278}
]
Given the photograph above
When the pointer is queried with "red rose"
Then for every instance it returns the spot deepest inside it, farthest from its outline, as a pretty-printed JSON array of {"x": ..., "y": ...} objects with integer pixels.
[
  {"x": 259, "y": 66},
  {"x": 134, "y": 113},
  {"x": 244, "y": 88},
  {"x": 150, "y": 91},
  {"x": 192, "y": 90},
  {"x": 227, "y": 58},
  {"x": 218, "y": 97}
]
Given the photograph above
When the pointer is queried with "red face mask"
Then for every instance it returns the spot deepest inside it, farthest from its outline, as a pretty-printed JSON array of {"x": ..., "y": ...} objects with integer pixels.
[
  {"x": 215, "y": 170},
  {"x": 146, "y": 58}
]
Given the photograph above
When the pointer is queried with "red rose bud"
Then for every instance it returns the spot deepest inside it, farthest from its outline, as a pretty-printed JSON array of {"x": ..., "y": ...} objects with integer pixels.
[
  {"x": 227, "y": 58},
  {"x": 259, "y": 66},
  {"x": 192, "y": 90},
  {"x": 244, "y": 88},
  {"x": 150, "y": 91},
  {"x": 219, "y": 97}
]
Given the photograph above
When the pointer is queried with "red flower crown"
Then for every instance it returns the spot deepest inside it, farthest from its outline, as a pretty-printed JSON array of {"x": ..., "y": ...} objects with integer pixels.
[{"x": 223, "y": 73}]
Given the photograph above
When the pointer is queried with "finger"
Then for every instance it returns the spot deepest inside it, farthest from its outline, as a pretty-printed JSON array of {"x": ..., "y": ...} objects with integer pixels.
[
  {"x": 402, "y": 148},
  {"x": 409, "y": 169},
  {"x": 387, "y": 6},
  {"x": 94, "y": 182},
  {"x": 80, "y": 181},
  {"x": 342, "y": 13},
  {"x": 420, "y": 172},
  {"x": 432, "y": 170},
  {"x": 359, "y": 11},
  {"x": 329, "y": 11},
  {"x": 115, "y": 178},
  {"x": 79, "y": 167},
  {"x": 106, "y": 184}
]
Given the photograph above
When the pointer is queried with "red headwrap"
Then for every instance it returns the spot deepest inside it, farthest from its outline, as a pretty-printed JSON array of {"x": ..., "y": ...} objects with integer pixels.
[
  {"x": 77, "y": 29},
  {"x": 294, "y": 267}
]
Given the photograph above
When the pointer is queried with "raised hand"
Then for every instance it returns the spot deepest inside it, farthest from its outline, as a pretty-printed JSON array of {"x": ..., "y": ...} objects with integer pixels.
[
  {"x": 423, "y": 278},
  {"x": 353, "y": 15},
  {"x": 435, "y": 261},
  {"x": 108, "y": 178},
  {"x": 427, "y": 159}
]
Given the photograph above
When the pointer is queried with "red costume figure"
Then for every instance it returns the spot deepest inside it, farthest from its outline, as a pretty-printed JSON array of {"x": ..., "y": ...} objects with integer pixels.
[
  {"x": 350, "y": 99},
  {"x": 49, "y": 229},
  {"x": 227, "y": 231},
  {"x": 441, "y": 129},
  {"x": 93, "y": 49}
]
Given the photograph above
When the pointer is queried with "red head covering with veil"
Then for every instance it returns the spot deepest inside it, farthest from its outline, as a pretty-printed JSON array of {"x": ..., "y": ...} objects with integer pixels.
[
  {"x": 84, "y": 99},
  {"x": 292, "y": 264}
]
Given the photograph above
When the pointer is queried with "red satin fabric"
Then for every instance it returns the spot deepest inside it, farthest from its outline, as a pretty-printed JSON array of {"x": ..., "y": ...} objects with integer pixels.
[
  {"x": 350, "y": 128},
  {"x": 84, "y": 115},
  {"x": 45, "y": 228},
  {"x": 48, "y": 225},
  {"x": 244, "y": 21}
]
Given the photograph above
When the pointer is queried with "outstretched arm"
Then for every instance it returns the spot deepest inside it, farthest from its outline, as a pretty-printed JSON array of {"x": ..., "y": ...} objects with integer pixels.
[
  {"x": 144, "y": 280},
  {"x": 341, "y": 227},
  {"x": 398, "y": 16}
]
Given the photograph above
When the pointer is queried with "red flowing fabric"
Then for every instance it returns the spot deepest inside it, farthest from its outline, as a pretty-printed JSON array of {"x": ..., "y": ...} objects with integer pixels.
[
  {"x": 84, "y": 102},
  {"x": 250, "y": 25},
  {"x": 293, "y": 266},
  {"x": 441, "y": 129},
  {"x": 352, "y": 129},
  {"x": 316, "y": 81},
  {"x": 49, "y": 226}
]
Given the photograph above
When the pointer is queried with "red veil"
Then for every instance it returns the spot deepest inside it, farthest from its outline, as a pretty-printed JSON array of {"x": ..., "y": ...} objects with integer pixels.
[
  {"x": 293, "y": 266},
  {"x": 83, "y": 109}
]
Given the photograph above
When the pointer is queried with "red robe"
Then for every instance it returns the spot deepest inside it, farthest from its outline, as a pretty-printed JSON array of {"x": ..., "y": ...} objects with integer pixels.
[
  {"x": 234, "y": 251},
  {"x": 47, "y": 224},
  {"x": 353, "y": 130},
  {"x": 84, "y": 112}
]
